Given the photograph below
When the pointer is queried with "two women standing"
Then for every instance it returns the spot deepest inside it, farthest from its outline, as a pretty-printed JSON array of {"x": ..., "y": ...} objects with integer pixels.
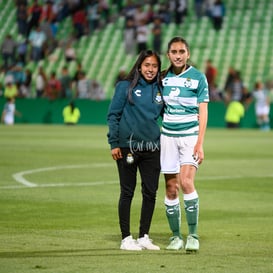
[{"x": 134, "y": 137}]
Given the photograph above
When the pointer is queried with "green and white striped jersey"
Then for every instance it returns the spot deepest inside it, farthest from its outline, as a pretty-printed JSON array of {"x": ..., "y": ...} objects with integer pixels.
[{"x": 182, "y": 94}]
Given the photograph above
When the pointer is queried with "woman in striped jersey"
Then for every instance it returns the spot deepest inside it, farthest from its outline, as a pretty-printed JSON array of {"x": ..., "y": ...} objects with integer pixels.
[{"x": 185, "y": 95}]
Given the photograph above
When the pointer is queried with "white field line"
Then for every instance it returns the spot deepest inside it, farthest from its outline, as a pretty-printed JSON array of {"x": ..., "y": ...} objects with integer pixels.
[
  {"x": 19, "y": 177},
  {"x": 60, "y": 185}
]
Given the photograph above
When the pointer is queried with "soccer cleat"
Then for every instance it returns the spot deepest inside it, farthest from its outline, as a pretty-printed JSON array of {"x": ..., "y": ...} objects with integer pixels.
[
  {"x": 175, "y": 243},
  {"x": 129, "y": 243},
  {"x": 192, "y": 244},
  {"x": 146, "y": 243}
]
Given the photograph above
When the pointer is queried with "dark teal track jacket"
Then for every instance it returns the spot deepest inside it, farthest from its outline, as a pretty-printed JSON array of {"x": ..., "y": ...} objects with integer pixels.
[{"x": 135, "y": 125}]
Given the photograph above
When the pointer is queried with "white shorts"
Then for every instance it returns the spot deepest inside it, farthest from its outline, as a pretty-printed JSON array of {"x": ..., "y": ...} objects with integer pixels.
[
  {"x": 262, "y": 110},
  {"x": 175, "y": 152}
]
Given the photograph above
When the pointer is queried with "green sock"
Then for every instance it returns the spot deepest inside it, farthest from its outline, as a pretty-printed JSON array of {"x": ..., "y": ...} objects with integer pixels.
[
  {"x": 173, "y": 214},
  {"x": 192, "y": 212}
]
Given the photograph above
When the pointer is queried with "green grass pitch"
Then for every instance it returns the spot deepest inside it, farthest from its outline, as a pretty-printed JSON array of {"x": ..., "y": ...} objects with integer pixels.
[{"x": 59, "y": 192}]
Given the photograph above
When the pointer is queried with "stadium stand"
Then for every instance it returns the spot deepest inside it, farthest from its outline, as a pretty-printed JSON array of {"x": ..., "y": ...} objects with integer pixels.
[{"x": 245, "y": 42}]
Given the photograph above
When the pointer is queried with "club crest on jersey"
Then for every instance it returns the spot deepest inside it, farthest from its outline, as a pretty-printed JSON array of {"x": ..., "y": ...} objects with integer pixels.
[
  {"x": 188, "y": 83},
  {"x": 138, "y": 92},
  {"x": 158, "y": 98},
  {"x": 175, "y": 91}
]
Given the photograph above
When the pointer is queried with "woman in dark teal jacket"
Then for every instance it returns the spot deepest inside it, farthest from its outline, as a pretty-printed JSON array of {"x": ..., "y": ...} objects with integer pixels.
[{"x": 134, "y": 136}]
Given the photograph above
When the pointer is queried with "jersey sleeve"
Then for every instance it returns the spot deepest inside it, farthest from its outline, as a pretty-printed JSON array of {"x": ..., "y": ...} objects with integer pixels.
[{"x": 203, "y": 90}]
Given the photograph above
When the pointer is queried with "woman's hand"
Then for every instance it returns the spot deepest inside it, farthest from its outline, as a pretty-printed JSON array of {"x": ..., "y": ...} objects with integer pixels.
[{"x": 116, "y": 153}]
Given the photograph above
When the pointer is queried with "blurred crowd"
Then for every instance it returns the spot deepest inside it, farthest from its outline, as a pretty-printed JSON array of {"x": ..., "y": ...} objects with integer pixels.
[
  {"x": 38, "y": 24},
  {"x": 18, "y": 84},
  {"x": 237, "y": 97}
]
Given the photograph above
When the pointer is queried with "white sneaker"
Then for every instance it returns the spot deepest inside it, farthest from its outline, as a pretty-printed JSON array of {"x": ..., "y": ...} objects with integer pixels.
[
  {"x": 192, "y": 244},
  {"x": 175, "y": 243},
  {"x": 146, "y": 243},
  {"x": 129, "y": 243}
]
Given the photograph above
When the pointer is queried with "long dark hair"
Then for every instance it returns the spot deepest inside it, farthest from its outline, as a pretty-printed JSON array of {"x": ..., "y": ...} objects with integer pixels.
[
  {"x": 134, "y": 74},
  {"x": 176, "y": 39}
]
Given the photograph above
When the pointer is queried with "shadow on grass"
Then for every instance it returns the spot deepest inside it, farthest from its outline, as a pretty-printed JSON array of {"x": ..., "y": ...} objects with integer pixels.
[
  {"x": 82, "y": 252},
  {"x": 159, "y": 238}
]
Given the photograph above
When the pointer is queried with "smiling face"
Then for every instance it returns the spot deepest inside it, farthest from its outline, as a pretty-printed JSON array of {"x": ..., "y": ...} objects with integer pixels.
[
  {"x": 178, "y": 55},
  {"x": 149, "y": 68}
]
